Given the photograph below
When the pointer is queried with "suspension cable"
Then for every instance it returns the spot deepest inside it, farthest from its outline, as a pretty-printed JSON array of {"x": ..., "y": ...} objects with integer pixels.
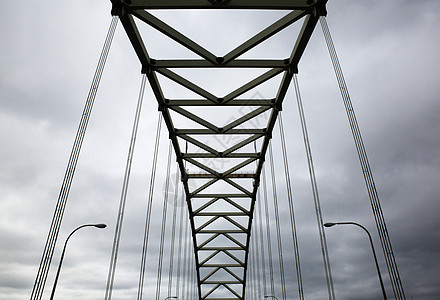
[
  {"x": 366, "y": 169},
  {"x": 46, "y": 258},
  {"x": 185, "y": 260},
  {"x": 118, "y": 228},
  {"x": 260, "y": 223},
  {"x": 190, "y": 262},
  {"x": 291, "y": 209},
  {"x": 173, "y": 232},
  {"x": 180, "y": 238},
  {"x": 255, "y": 237},
  {"x": 191, "y": 285},
  {"x": 251, "y": 278},
  {"x": 257, "y": 258},
  {"x": 325, "y": 256},
  {"x": 277, "y": 221},
  {"x": 148, "y": 210},
  {"x": 188, "y": 269},
  {"x": 164, "y": 222},
  {"x": 267, "y": 226}
]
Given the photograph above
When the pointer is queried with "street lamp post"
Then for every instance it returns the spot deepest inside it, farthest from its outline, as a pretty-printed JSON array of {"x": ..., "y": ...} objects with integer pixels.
[
  {"x": 372, "y": 249},
  {"x": 268, "y": 296},
  {"x": 64, "y": 250}
]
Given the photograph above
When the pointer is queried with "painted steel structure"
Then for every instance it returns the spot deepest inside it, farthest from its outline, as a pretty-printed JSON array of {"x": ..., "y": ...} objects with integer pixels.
[{"x": 220, "y": 178}]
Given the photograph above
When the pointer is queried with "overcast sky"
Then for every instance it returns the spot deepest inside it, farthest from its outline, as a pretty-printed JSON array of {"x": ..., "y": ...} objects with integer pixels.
[{"x": 389, "y": 52}]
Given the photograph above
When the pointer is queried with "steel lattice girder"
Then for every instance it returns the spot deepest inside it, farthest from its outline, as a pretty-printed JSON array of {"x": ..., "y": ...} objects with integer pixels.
[{"x": 220, "y": 221}]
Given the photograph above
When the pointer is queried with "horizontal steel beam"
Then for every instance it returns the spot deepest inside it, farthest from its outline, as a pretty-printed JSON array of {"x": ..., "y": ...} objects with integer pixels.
[
  {"x": 212, "y": 214},
  {"x": 223, "y": 282},
  {"x": 237, "y": 63},
  {"x": 230, "y": 155},
  {"x": 217, "y": 132},
  {"x": 220, "y": 248},
  {"x": 244, "y": 175},
  {"x": 235, "y": 102},
  {"x": 220, "y": 196},
  {"x": 221, "y": 265},
  {"x": 235, "y": 4},
  {"x": 210, "y": 231}
]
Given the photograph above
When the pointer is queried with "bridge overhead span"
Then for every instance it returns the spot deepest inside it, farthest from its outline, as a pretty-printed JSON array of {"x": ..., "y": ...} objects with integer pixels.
[{"x": 221, "y": 123}]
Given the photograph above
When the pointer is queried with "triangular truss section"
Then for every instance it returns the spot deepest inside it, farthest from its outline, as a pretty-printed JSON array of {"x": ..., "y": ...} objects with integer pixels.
[{"x": 220, "y": 140}]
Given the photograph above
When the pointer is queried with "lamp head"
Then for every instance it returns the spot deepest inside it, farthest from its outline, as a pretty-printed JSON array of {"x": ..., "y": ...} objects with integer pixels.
[
  {"x": 100, "y": 225},
  {"x": 329, "y": 224}
]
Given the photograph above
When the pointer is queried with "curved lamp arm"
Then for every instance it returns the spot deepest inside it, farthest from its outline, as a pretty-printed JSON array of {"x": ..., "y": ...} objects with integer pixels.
[
  {"x": 64, "y": 250},
  {"x": 372, "y": 249}
]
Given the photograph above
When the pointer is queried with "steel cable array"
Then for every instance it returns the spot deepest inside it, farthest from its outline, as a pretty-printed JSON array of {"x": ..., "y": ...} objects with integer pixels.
[
  {"x": 48, "y": 251},
  {"x": 179, "y": 254},
  {"x": 257, "y": 279},
  {"x": 323, "y": 241},
  {"x": 268, "y": 235},
  {"x": 260, "y": 222},
  {"x": 366, "y": 169},
  {"x": 164, "y": 221},
  {"x": 173, "y": 233},
  {"x": 121, "y": 211},
  {"x": 257, "y": 259},
  {"x": 277, "y": 221},
  {"x": 291, "y": 209},
  {"x": 148, "y": 210}
]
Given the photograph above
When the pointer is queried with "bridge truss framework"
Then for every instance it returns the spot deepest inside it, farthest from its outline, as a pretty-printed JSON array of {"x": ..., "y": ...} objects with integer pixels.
[{"x": 221, "y": 189}]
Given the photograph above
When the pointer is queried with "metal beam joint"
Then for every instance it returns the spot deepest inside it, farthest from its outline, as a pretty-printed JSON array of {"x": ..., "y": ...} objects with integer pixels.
[
  {"x": 116, "y": 7},
  {"x": 320, "y": 8}
]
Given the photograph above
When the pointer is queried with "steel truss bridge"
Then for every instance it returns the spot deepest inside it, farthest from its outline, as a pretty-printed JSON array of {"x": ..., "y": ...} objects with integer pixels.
[{"x": 220, "y": 165}]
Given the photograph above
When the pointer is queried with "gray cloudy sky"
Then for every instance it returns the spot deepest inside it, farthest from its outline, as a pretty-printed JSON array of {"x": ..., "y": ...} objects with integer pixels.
[{"x": 389, "y": 51}]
